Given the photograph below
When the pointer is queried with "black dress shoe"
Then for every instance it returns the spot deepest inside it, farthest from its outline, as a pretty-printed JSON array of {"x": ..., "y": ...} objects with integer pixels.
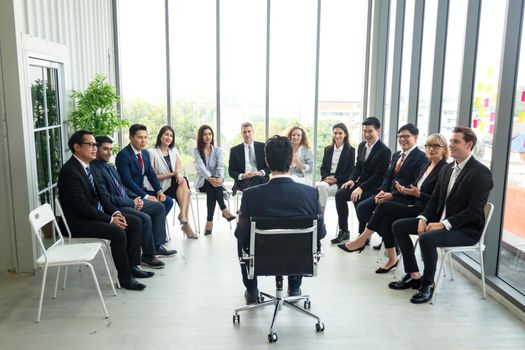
[
  {"x": 251, "y": 298},
  {"x": 341, "y": 236},
  {"x": 343, "y": 247},
  {"x": 405, "y": 283},
  {"x": 152, "y": 262},
  {"x": 131, "y": 284},
  {"x": 382, "y": 270},
  {"x": 138, "y": 273},
  {"x": 164, "y": 253},
  {"x": 423, "y": 295}
]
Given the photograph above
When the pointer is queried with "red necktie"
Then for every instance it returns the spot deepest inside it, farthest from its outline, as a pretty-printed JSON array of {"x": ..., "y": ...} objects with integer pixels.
[
  {"x": 399, "y": 163},
  {"x": 141, "y": 163}
]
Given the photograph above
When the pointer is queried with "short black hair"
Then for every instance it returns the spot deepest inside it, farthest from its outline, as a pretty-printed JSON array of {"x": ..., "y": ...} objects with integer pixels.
[
  {"x": 372, "y": 121},
  {"x": 411, "y": 128},
  {"x": 77, "y": 138},
  {"x": 136, "y": 128},
  {"x": 279, "y": 153},
  {"x": 103, "y": 139}
]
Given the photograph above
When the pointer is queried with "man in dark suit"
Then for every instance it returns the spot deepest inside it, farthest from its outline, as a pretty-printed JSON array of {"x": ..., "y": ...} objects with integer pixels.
[
  {"x": 151, "y": 214},
  {"x": 366, "y": 177},
  {"x": 246, "y": 165},
  {"x": 453, "y": 216},
  {"x": 91, "y": 214},
  {"x": 404, "y": 168},
  {"x": 133, "y": 163},
  {"x": 281, "y": 196}
]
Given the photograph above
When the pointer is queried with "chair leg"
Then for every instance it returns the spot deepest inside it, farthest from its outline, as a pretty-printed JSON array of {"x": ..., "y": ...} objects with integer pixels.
[
  {"x": 107, "y": 250},
  {"x": 39, "y": 313},
  {"x": 451, "y": 267},
  {"x": 65, "y": 277},
  {"x": 278, "y": 306},
  {"x": 381, "y": 252},
  {"x": 198, "y": 213},
  {"x": 193, "y": 215},
  {"x": 107, "y": 270},
  {"x": 98, "y": 289},
  {"x": 438, "y": 278},
  {"x": 56, "y": 283},
  {"x": 168, "y": 234},
  {"x": 482, "y": 264}
]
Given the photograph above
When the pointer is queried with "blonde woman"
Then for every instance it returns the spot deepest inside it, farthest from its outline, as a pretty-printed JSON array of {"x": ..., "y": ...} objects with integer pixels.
[{"x": 303, "y": 158}]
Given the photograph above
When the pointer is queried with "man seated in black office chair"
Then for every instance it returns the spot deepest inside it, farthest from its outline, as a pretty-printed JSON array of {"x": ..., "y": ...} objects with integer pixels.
[{"x": 280, "y": 197}]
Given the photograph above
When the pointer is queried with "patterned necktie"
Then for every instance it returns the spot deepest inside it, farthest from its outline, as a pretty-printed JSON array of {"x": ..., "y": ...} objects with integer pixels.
[
  {"x": 141, "y": 162},
  {"x": 120, "y": 189},
  {"x": 253, "y": 163},
  {"x": 399, "y": 162},
  {"x": 92, "y": 181}
]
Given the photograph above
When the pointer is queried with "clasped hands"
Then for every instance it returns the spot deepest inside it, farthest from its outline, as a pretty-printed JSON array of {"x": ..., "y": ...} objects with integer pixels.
[
  {"x": 215, "y": 181},
  {"x": 249, "y": 175},
  {"x": 423, "y": 227}
]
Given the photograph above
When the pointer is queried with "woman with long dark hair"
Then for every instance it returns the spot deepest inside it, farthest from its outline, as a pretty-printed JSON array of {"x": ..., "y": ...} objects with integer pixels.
[
  {"x": 210, "y": 174},
  {"x": 165, "y": 160}
]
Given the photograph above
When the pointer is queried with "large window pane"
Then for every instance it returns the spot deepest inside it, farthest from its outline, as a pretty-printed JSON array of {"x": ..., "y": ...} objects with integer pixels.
[
  {"x": 52, "y": 98},
  {"x": 341, "y": 70},
  {"x": 193, "y": 70},
  {"x": 143, "y": 63},
  {"x": 42, "y": 166},
  {"x": 457, "y": 21},
  {"x": 390, "y": 69},
  {"x": 243, "y": 69},
  {"x": 512, "y": 249},
  {"x": 55, "y": 152},
  {"x": 406, "y": 66},
  {"x": 36, "y": 77},
  {"x": 487, "y": 75}
]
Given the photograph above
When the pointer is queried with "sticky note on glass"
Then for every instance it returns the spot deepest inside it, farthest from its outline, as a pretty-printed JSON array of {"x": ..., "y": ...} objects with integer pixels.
[
  {"x": 491, "y": 128},
  {"x": 522, "y": 117},
  {"x": 477, "y": 102},
  {"x": 480, "y": 87},
  {"x": 494, "y": 98},
  {"x": 490, "y": 72},
  {"x": 492, "y": 116},
  {"x": 489, "y": 88},
  {"x": 481, "y": 112},
  {"x": 475, "y": 122},
  {"x": 486, "y": 103},
  {"x": 481, "y": 126},
  {"x": 523, "y": 96}
]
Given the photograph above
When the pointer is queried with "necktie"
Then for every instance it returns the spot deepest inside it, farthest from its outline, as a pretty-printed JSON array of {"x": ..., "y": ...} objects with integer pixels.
[
  {"x": 92, "y": 181},
  {"x": 253, "y": 163},
  {"x": 399, "y": 162},
  {"x": 141, "y": 162},
  {"x": 120, "y": 189}
]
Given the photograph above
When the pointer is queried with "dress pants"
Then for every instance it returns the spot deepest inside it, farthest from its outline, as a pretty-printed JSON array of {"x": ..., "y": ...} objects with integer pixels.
[
  {"x": 168, "y": 203},
  {"x": 428, "y": 243},
  {"x": 155, "y": 210},
  {"x": 342, "y": 197},
  {"x": 148, "y": 247},
  {"x": 125, "y": 244},
  {"x": 213, "y": 194},
  {"x": 385, "y": 214}
]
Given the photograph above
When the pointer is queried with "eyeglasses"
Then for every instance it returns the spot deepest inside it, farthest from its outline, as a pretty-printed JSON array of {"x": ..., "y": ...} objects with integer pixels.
[
  {"x": 434, "y": 146},
  {"x": 404, "y": 137},
  {"x": 91, "y": 144}
]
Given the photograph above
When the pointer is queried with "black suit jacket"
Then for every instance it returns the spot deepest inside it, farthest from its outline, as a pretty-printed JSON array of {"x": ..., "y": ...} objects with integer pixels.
[
  {"x": 407, "y": 174},
  {"x": 344, "y": 167},
  {"x": 368, "y": 174},
  {"x": 237, "y": 163},
  {"x": 278, "y": 197},
  {"x": 108, "y": 187},
  {"x": 427, "y": 187},
  {"x": 78, "y": 198},
  {"x": 466, "y": 200}
]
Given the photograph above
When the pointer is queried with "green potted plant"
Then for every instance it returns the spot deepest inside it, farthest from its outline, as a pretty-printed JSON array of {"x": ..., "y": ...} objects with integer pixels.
[{"x": 95, "y": 108}]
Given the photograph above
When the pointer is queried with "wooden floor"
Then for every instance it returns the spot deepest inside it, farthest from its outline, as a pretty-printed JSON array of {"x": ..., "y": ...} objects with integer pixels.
[{"x": 189, "y": 305}]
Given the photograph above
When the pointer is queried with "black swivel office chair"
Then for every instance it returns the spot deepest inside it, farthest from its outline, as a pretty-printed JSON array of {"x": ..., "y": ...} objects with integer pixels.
[{"x": 282, "y": 246}]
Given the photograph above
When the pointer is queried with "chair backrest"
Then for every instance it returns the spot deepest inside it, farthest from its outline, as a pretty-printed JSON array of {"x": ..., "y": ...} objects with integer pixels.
[
  {"x": 283, "y": 246},
  {"x": 40, "y": 217},
  {"x": 487, "y": 211},
  {"x": 60, "y": 213}
]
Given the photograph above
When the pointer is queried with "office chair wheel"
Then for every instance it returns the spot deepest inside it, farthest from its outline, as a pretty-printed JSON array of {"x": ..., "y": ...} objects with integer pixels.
[
  {"x": 307, "y": 304},
  {"x": 236, "y": 319},
  {"x": 319, "y": 327},
  {"x": 272, "y": 337}
]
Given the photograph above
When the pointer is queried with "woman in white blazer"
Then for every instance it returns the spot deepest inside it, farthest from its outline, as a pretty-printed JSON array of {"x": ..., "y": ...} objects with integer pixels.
[
  {"x": 165, "y": 160},
  {"x": 210, "y": 175},
  {"x": 303, "y": 158}
]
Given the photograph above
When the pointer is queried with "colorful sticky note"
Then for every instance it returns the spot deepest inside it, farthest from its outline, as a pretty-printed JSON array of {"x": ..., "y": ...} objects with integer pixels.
[
  {"x": 477, "y": 102},
  {"x": 494, "y": 98},
  {"x": 492, "y": 116},
  {"x": 489, "y": 88},
  {"x": 491, "y": 128},
  {"x": 481, "y": 126},
  {"x": 522, "y": 117},
  {"x": 475, "y": 123},
  {"x": 490, "y": 72},
  {"x": 486, "y": 103},
  {"x": 480, "y": 87},
  {"x": 481, "y": 112},
  {"x": 523, "y": 96}
]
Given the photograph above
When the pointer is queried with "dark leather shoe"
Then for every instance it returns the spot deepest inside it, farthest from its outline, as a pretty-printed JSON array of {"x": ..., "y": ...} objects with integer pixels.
[
  {"x": 341, "y": 236},
  {"x": 382, "y": 270},
  {"x": 152, "y": 262},
  {"x": 138, "y": 273},
  {"x": 131, "y": 284},
  {"x": 423, "y": 295},
  {"x": 164, "y": 253},
  {"x": 405, "y": 283},
  {"x": 251, "y": 298}
]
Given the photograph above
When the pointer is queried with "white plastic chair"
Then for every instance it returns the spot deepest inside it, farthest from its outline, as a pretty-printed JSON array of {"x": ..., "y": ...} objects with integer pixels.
[
  {"x": 106, "y": 247},
  {"x": 61, "y": 254},
  {"x": 478, "y": 247}
]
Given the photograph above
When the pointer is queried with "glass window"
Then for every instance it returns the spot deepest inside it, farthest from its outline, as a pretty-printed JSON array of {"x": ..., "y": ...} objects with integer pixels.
[
  {"x": 143, "y": 63},
  {"x": 341, "y": 70},
  {"x": 427, "y": 67},
  {"x": 389, "y": 70},
  {"x": 406, "y": 65},
  {"x": 488, "y": 58},
  {"x": 511, "y": 263},
  {"x": 457, "y": 21},
  {"x": 243, "y": 70},
  {"x": 193, "y": 70}
]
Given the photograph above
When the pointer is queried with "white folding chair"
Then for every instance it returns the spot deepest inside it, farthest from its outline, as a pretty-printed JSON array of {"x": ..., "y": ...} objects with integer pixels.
[
  {"x": 61, "y": 254},
  {"x": 106, "y": 247},
  {"x": 478, "y": 247}
]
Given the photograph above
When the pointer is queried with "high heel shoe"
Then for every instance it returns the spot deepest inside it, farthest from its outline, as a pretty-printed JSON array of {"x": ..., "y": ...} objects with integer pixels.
[
  {"x": 182, "y": 222},
  {"x": 383, "y": 270},
  {"x": 227, "y": 215},
  {"x": 186, "y": 228},
  {"x": 208, "y": 228},
  {"x": 343, "y": 247}
]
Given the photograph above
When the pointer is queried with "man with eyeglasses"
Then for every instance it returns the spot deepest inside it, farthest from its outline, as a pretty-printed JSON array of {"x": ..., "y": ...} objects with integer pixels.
[
  {"x": 90, "y": 213},
  {"x": 404, "y": 168}
]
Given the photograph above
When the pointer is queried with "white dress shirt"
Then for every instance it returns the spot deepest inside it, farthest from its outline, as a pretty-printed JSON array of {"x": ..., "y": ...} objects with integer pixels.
[{"x": 335, "y": 158}]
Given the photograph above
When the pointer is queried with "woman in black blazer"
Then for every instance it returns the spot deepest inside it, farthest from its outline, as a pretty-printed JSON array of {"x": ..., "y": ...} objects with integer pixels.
[
  {"x": 387, "y": 212},
  {"x": 335, "y": 170}
]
